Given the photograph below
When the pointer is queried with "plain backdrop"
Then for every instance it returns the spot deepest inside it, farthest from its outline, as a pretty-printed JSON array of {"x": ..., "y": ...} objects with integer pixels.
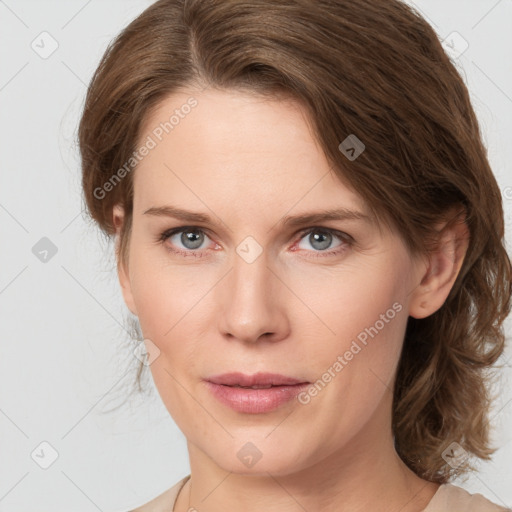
[{"x": 66, "y": 357}]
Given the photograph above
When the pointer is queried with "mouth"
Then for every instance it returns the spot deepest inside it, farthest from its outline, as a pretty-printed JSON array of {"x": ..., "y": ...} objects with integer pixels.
[{"x": 254, "y": 394}]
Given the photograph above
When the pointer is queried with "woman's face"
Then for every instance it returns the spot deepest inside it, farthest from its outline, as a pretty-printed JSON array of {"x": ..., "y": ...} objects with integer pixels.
[{"x": 248, "y": 289}]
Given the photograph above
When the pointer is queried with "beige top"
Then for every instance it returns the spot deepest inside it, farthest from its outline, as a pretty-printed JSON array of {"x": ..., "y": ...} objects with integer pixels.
[{"x": 448, "y": 498}]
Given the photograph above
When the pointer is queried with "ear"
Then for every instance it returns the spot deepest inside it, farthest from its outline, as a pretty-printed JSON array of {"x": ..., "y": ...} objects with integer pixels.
[
  {"x": 441, "y": 270},
  {"x": 122, "y": 270}
]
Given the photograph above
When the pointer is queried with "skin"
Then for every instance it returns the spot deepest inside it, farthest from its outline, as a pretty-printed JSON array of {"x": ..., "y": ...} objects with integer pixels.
[{"x": 247, "y": 162}]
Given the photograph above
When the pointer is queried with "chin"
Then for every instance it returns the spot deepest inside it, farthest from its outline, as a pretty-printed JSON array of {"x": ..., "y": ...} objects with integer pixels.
[{"x": 257, "y": 458}]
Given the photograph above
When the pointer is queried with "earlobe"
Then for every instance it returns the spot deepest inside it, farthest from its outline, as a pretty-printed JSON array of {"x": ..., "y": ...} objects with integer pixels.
[
  {"x": 443, "y": 267},
  {"x": 122, "y": 270}
]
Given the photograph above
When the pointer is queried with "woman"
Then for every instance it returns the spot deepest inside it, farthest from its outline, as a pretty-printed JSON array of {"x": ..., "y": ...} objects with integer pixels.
[{"x": 311, "y": 237}]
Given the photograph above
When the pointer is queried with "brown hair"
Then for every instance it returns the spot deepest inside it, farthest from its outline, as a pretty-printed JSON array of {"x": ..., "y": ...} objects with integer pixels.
[{"x": 373, "y": 68}]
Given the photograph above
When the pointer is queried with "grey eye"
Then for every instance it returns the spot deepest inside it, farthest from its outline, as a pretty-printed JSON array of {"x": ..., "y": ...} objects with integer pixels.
[
  {"x": 191, "y": 238},
  {"x": 320, "y": 240}
]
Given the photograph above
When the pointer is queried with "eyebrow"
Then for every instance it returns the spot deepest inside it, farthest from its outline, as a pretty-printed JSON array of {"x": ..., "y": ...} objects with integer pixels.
[{"x": 288, "y": 220}]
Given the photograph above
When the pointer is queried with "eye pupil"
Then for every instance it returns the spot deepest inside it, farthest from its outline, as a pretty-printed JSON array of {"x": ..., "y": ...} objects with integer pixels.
[
  {"x": 323, "y": 238},
  {"x": 192, "y": 239}
]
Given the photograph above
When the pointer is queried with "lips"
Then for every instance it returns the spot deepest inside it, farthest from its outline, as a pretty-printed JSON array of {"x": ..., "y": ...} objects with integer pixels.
[{"x": 254, "y": 394}]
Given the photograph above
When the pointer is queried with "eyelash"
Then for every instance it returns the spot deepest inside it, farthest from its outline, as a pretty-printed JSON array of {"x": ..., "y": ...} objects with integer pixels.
[{"x": 347, "y": 240}]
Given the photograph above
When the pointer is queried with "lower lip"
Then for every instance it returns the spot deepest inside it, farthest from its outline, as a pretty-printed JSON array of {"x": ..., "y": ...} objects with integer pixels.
[{"x": 255, "y": 401}]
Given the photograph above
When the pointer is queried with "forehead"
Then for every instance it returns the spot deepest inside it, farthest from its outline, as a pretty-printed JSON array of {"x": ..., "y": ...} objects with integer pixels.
[{"x": 236, "y": 149}]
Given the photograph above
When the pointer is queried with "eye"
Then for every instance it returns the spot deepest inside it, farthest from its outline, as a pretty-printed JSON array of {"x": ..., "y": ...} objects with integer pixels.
[
  {"x": 321, "y": 239},
  {"x": 185, "y": 240}
]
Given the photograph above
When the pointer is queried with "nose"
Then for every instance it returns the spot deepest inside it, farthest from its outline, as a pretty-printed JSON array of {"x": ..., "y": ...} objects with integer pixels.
[{"x": 251, "y": 302}]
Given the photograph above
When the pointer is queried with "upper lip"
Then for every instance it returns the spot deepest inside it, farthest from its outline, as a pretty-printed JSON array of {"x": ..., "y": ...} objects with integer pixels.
[{"x": 258, "y": 379}]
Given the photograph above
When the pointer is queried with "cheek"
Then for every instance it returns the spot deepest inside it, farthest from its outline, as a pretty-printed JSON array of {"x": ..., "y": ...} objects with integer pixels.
[
  {"x": 173, "y": 302},
  {"x": 365, "y": 301},
  {"x": 166, "y": 296},
  {"x": 363, "y": 319}
]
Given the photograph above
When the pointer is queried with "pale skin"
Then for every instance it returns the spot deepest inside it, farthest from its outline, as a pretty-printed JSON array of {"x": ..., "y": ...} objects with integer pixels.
[{"x": 247, "y": 162}]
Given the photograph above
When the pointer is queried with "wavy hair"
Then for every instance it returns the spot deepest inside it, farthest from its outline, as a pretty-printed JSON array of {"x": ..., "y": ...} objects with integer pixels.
[{"x": 373, "y": 68}]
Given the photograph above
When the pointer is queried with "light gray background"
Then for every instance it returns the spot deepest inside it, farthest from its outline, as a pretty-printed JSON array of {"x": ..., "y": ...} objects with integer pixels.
[{"x": 64, "y": 349}]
